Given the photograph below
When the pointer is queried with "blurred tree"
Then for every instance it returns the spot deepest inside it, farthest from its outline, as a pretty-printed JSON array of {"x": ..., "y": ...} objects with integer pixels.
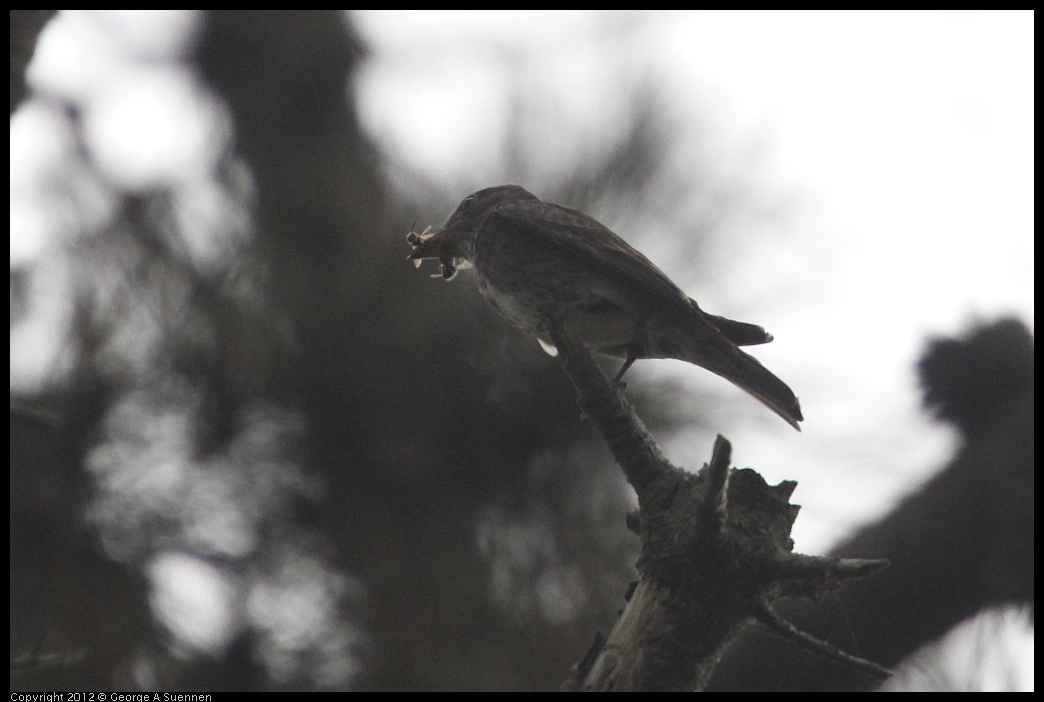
[
  {"x": 961, "y": 544},
  {"x": 269, "y": 424},
  {"x": 25, "y": 27},
  {"x": 301, "y": 463}
]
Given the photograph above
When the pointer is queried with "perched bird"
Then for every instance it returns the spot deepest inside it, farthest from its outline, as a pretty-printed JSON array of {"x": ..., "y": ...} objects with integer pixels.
[{"x": 533, "y": 257}]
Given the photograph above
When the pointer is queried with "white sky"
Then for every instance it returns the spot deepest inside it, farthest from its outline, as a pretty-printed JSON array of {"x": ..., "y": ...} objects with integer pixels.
[
  {"x": 900, "y": 142},
  {"x": 903, "y": 145},
  {"x": 903, "y": 142}
]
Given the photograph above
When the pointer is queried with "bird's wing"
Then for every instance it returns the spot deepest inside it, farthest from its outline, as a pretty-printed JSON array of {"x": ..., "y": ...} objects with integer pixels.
[{"x": 589, "y": 240}]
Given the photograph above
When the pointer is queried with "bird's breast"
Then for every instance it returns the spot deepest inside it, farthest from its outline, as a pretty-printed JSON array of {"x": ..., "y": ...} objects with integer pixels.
[
  {"x": 595, "y": 319},
  {"x": 513, "y": 305}
]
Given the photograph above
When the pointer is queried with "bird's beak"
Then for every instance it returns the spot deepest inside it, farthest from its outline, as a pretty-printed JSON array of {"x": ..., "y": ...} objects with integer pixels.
[
  {"x": 426, "y": 244},
  {"x": 436, "y": 245}
]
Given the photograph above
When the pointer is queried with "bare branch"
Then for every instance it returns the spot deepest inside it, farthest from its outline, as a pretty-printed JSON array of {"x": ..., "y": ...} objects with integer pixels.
[{"x": 716, "y": 549}]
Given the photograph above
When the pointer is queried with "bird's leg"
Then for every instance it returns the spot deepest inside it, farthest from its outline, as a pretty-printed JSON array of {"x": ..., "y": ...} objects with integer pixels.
[
  {"x": 632, "y": 356},
  {"x": 633, "y": 352}
]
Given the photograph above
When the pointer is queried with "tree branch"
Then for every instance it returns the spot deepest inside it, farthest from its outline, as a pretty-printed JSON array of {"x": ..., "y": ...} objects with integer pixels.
[{"x": 716, "y": 549}]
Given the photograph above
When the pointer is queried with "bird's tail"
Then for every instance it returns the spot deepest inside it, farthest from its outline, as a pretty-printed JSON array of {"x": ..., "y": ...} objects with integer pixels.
[
  {"x": 760, "y": 382},
  {"x": 720, "y": 355},
  {"x": 740, "y": 333}
]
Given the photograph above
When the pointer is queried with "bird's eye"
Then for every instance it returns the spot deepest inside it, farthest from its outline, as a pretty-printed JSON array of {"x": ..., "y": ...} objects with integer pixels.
[{"x": 470, "y": 199}]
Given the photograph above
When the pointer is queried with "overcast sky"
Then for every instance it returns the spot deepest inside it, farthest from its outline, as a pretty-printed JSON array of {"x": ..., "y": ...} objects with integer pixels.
[{"x": 899, "y": 146}]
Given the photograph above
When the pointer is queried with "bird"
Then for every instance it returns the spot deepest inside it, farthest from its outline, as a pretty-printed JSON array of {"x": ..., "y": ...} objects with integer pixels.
[{"x": 534, "y": 258}]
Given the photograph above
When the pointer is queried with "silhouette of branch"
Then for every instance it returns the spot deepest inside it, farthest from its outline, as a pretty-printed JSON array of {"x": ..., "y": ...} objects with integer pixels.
[
  {"x": 716, "y": 549},
  {"x": 961, "y": 543}
]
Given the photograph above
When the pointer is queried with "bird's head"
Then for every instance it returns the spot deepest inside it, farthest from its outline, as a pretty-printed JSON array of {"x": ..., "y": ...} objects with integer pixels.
[{"x": 454, "y": 244}]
